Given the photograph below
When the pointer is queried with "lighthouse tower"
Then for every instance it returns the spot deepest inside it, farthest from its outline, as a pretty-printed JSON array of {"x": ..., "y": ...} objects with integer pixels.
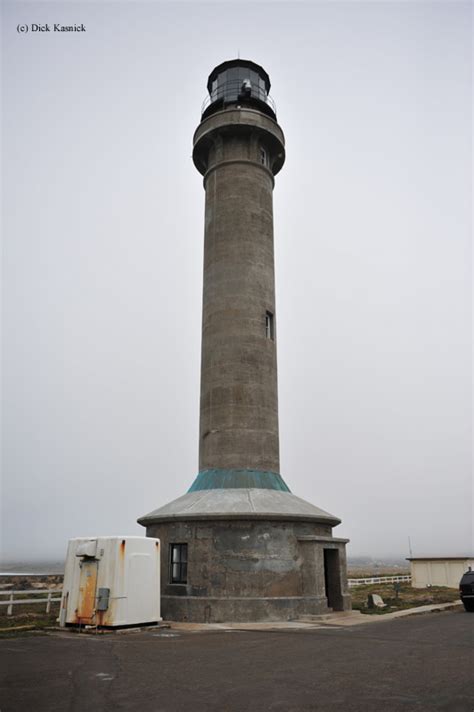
[{"x": 239, "y": 546}]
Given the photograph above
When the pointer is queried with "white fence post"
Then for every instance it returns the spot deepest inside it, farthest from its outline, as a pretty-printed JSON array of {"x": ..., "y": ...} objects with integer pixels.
[
  {"x": 378, "y": 579},
  {"x": 54, "y": 596}
]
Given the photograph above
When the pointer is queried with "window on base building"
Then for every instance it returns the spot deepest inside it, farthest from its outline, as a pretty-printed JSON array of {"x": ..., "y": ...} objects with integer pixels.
[
  {"x": 269, "y": 326},
  {"x": 178, "y": 563}
]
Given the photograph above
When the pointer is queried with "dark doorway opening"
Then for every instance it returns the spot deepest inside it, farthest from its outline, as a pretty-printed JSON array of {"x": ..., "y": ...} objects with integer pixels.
[{"x": 332, "y": 579}]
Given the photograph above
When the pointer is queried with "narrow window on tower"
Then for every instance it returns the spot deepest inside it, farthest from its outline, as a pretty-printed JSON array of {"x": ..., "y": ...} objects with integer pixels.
[
  {"x": 263, "y": 157},
  {"x": 269, "y": 326},
  {"x": 178, "y": 563}
]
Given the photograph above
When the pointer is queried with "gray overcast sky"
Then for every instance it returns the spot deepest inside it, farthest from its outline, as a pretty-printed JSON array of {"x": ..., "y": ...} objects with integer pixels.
[{"x": 102, "y": 263}]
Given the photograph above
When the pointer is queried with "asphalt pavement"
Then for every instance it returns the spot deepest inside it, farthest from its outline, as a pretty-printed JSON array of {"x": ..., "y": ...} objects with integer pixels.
[{"x": 423, "y": 663}]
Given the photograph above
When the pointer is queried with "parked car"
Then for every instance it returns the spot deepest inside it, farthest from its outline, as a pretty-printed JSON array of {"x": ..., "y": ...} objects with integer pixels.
[{"x": 466, "y": 590}]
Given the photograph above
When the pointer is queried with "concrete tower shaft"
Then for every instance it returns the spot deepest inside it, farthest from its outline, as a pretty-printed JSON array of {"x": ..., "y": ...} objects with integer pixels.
[{"x": 239, "y": 150}]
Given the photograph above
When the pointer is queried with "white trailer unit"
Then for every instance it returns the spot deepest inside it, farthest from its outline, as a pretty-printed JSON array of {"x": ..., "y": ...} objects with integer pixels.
[
  {"x": 439, "y": 570},
  {"x": 111, "y": 581}
]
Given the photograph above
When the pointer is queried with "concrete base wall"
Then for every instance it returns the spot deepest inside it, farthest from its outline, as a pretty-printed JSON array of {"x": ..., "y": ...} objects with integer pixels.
[
  {"x": 251, "y": 570},
  {"x": 241, "y": 610}
]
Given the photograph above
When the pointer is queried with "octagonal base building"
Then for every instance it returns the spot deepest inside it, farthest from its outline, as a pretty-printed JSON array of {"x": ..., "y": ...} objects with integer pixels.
[{"x": 239, "y": 546}]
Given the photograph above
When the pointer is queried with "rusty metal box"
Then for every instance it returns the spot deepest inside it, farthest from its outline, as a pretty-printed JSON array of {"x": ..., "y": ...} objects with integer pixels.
[{"x": 111, "y": 582}]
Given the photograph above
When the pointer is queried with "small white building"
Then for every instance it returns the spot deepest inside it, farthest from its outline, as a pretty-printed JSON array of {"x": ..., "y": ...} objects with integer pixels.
[
  {"x": 111, "y": 581},
  {"x": 439, "y": 570}
]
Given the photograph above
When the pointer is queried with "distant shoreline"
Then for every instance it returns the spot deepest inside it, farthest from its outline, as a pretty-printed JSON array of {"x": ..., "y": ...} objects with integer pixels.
[{"x": 31, "y": 568}]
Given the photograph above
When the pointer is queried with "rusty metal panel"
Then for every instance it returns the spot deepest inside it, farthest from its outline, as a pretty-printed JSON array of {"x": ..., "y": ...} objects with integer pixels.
[{"x": 87, "y": 589}]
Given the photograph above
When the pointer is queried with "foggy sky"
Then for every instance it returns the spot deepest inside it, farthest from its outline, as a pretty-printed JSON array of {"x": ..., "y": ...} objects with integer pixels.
[{"x": 102, "y": 263}]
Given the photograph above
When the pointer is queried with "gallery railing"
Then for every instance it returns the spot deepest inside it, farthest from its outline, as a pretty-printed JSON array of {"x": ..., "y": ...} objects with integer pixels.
[{"x": 234, "y": 91}]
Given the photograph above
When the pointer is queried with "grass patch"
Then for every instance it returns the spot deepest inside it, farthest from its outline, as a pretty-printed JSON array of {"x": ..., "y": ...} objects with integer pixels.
[
  {"x": 28, "y": 615},
  {"x": 408, "y": 597}
]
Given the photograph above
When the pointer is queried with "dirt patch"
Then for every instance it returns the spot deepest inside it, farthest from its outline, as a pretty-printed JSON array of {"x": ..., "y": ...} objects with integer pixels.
[{"x": 28, "y": 583}]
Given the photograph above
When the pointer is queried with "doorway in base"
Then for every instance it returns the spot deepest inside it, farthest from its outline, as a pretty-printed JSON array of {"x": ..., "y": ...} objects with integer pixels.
[{"x": 332, "y": 579}]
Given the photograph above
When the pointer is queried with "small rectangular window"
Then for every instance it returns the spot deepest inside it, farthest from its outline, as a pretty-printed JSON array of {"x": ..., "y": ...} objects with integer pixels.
[
  {"x": 178, "y": 563},
  {"x": 269, "y": 326},
  {"x": 263, "y": 157}
]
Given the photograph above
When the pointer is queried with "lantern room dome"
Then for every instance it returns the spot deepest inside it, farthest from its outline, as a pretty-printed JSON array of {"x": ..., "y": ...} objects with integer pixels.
[{"x": 238, "y": 82}]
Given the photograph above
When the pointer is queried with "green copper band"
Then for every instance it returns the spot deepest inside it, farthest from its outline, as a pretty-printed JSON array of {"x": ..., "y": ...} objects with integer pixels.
[{"x": 238, "y": 479}]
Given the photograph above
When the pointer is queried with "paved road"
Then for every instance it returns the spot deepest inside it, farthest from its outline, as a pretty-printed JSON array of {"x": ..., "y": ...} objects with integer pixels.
[{"x": 421, "y": 663}]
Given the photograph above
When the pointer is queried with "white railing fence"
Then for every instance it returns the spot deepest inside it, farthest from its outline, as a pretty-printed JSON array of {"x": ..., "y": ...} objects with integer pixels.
[
  {"x": 378, "y": 579},
  {"x": 49, "y": 596},
  {"x": 46, "y": 601}
]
